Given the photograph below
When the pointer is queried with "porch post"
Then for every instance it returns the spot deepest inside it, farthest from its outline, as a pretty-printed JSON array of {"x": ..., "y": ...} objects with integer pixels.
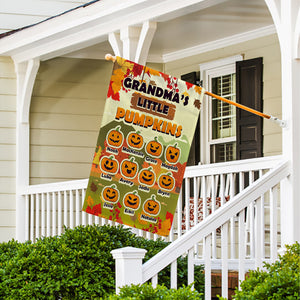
[
  {"x": 26, "y": 73},
  {"x": 286, "y": 17},
  {"x": 128, "y": 266},
  {"x": 133, "y": 42}
]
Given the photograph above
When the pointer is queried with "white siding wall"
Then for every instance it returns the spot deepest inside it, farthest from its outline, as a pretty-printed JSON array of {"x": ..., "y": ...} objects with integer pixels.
[
  {"x": 266, "y": 47},
  {"x": 7, "y": 148},
  {"x": 66, "y": 110}
]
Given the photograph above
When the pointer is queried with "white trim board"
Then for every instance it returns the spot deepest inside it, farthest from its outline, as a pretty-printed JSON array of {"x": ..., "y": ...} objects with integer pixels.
[{"x": 221, "y": 43}]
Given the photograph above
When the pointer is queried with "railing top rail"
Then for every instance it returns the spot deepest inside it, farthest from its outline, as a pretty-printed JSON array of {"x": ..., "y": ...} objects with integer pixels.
[
  {"x": 245, "y": 165},
  {"x": 55, "y": 187},
  {"x": 215, "y": 220},
  {"x": 192, "y": 171}
]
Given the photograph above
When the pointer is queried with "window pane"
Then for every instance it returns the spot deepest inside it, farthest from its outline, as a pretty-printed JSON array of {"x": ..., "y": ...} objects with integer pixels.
[
  {"x": 223, "y": 152},
  {"x": 223, "y": 114}
]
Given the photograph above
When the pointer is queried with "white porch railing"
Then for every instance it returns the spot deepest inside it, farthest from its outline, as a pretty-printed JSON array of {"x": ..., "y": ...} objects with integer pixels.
[
  {"x": 253, "y": 211},
  {"x": 50, "y": 207}
]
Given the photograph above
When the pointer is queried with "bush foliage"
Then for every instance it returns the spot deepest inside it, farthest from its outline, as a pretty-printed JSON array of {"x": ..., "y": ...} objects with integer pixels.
[
  {"x": 76, "y": 265},
  {"x": 281, "y": 280},
  {"x": 147, "y": 292}
]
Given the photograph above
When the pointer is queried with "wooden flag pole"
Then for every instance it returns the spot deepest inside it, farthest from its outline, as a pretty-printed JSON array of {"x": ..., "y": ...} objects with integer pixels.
[{"x": 281, "y": 123}]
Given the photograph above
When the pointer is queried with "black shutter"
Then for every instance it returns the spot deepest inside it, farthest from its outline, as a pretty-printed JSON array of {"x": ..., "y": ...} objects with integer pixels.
[
  {"x": 249, "y": 87},
  {"x": 194, "y": 157}
]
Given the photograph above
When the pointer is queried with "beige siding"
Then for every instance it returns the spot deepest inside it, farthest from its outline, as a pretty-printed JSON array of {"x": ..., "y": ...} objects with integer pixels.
[
  {"x": 65, "y": 117},
  {"x": 7, "y": 148},
  {"x": 266, "y": 47}
]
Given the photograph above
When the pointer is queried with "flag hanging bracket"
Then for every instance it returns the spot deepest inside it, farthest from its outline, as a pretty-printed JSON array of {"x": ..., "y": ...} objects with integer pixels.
[{"x": 279, "y": 122}]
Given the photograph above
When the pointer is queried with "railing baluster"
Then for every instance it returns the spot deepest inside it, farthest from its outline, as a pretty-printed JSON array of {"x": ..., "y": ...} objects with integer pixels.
[
  {"x": 83, "y": 214},
  {"x": 273, "y": 223},
  {"x": 154, "y": 280},
  {"x": 187, "y": 204},
  {"x": 191, "y": 267},
  {"x": 37, "y": 216},
  {"x": 43, "y": 215},
  {"x": 32, "y": 217},
  {"x": 242, "y": 246},
  {"x": 232, "y": 220},
  {"x": 77, "y": 205},
  {"x": 262, "y": 235},
  {"x": 71, "y": 213},
  {"x": 258, "y": 231},
  {"x": 204, "y": 200},
  {"x": 53, "y": 214},
  {"x": 224, "y": 255},
  {"x": 173, "y": 276},
  {"x": 59, "y": 215},
  {"x": 48, "y": 215},
  {"x": 207, "y": 267},
  {"x": 179, "y": 214}
]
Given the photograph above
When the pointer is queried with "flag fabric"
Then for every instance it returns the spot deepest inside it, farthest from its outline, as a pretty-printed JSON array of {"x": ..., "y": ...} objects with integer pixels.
[{"x": 143, "y": 145}]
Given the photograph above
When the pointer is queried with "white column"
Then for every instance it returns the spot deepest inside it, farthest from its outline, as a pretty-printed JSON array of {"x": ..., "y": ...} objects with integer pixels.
[
  {"x": 26, "y": 73},
  {"x": 128, "y": 266},
  {"x": 286, "y": 16}
]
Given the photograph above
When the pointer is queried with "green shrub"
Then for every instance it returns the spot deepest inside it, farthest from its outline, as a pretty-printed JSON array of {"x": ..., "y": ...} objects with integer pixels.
[
  {"x": 281, "y": 280},
  {"x": 76, "y": 265},
  {"x": 147, "y": 292}
]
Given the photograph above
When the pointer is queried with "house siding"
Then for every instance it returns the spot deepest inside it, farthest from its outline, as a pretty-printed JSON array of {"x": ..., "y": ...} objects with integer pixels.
[
  {"x": 7, "y": 148},
  {"x": 65, "y": 116},
  {"x": 266, "y": 47}
]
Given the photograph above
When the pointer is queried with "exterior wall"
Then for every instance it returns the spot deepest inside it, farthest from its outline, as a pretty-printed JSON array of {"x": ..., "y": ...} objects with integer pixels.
[
  {"x": 266, "y": 47},
  {"x": 66, "y": 110},
  {"x": 7, "y": 148}
]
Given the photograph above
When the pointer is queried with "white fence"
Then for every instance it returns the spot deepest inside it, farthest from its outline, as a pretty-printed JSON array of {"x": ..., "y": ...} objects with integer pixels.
[
  {"x": 50, "y": 207},
  {"x": 247, "y": 212}
]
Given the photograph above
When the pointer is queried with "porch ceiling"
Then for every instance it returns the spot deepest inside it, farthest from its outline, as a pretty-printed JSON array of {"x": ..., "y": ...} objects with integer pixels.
[{"x": 181, "y": 26}]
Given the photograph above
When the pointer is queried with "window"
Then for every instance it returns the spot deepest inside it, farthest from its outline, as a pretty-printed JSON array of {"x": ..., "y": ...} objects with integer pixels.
[
  {"x": 222, "y": 120},
  {"x": 218, "y": 118}
]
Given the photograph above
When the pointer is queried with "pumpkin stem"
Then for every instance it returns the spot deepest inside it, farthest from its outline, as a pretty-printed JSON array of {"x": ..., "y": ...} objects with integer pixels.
[
  {"x": 131, "y": 159},
  {"x": 153, "y": 198},
  {"x": 118, "y": 128}
]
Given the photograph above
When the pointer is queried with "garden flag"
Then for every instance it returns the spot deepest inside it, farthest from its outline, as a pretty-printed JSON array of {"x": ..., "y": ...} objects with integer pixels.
[{"x": 142, "y": 149}]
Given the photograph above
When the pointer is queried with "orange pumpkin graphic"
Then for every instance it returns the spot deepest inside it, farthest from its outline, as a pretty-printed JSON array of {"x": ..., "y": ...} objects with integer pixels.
[
  {"x": 147, "y": 176},
  {"x": 115, "y": 137},
  {"x": 151, "y": 206},
  {"x": 166, "y": 181},
  {"x": 109, "y": 164},
  {"x": 132, "y": 200},
  {"x": 154, "y": 148},
  {"x": 135, "y": 140},
  {"x": 110, "y": 194},
  {"x": 129, "y": 168},
  {"x": 172, "y": 154}
]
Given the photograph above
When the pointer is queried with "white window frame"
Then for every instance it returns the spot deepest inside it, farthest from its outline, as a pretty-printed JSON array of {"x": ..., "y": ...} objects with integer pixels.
[{"x": 207, "y": 71}]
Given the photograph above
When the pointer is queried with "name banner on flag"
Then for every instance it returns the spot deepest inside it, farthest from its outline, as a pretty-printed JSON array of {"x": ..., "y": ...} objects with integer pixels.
[{"x": 143, "y": 145}]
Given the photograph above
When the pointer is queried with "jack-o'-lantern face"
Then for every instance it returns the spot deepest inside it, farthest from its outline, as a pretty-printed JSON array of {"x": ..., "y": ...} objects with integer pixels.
[
  {"x": 172, "y": 154},
  {"x": 109, "y": 164},
  {"x": 135, "y": 140},
  {"x": 166, "y": 181},
  {"x": 154, "y": 148},
  {"x": 115, "y": 137},
  {"x": 110, "y": 193},
  {"x": 147, "y": 176},
  {"x": 151, "y": 206},
  {"x": 132, "y": 200},
  {"x": 129, "y": 168}
]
